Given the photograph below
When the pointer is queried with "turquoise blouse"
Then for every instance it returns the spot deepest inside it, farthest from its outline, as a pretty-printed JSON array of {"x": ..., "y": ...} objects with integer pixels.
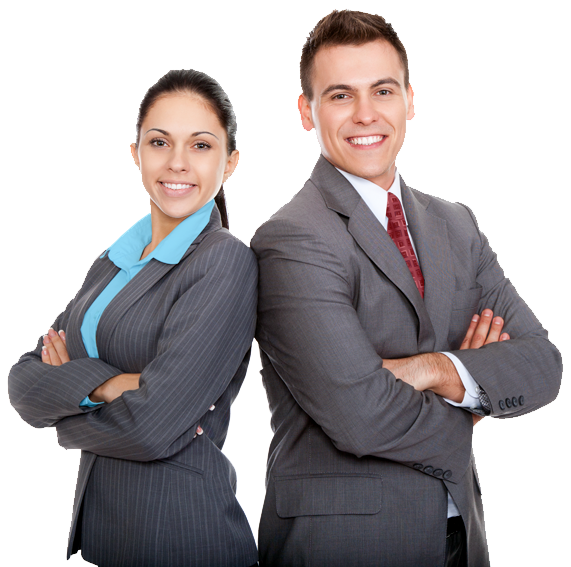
[{"x": 125, "y": 253}]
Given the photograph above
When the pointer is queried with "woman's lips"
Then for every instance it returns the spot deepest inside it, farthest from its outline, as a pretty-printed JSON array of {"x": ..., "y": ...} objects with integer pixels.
[{"x": 177, "y": 189}]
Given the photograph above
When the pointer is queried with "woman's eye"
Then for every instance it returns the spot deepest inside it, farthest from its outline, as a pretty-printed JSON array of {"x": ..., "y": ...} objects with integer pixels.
[
  {"x": 201, "y": 145},
  {"x": 158, "y": 143}
]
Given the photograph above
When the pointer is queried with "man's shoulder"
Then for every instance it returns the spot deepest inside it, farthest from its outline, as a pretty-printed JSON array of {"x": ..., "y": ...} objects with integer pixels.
[{"x": 306, "y": 213}]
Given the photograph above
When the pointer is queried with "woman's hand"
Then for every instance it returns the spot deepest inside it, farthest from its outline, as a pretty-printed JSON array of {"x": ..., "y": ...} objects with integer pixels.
[
  {"x": 114, "y": 387},
  {"x": 54, "y": 351}
]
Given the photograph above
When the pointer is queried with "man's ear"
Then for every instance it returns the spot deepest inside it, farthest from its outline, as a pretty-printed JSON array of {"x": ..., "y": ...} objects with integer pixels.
[
  {"x": 305, "y": 112},
  {"x": 410, "y": 103},
  {"x": 135, "y": 155}
]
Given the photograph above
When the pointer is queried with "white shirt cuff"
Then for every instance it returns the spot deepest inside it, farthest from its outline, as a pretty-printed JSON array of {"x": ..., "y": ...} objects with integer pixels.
[{"x": 471, "y": 399}]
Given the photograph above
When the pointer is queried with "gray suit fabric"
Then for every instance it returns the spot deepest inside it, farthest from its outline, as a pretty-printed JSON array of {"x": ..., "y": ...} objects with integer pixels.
[
  {"x": 360, "y": 462},
  {"x": 148, "y": 492}
]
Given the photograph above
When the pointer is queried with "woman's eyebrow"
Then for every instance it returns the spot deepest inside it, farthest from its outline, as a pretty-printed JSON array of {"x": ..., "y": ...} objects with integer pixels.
[{"x": 194, "y": 134}]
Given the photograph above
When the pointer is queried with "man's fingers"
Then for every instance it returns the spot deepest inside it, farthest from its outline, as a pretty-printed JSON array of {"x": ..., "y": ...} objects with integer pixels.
[
  {"x": 495, "y": 330},
  {"x": 470, "y": 333},
  {"x": 504, "y": 337},
  {"x": 481, "y": 332},
  {"x": 476, "y": 418},
  {"x": 59, "y": 346}
]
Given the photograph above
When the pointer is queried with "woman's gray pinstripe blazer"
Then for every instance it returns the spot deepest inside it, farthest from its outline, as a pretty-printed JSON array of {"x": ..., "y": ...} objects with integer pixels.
[{"x": 149, "y": 492}]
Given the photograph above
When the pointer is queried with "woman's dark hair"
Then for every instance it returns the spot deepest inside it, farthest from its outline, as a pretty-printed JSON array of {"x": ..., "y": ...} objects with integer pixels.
[{"x": 194, "y": 82}]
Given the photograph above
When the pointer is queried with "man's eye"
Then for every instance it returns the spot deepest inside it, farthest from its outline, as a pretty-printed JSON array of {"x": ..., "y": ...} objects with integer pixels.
[
  {"x": 340, "y": 96},
  {"x": 384, "y": 92}
]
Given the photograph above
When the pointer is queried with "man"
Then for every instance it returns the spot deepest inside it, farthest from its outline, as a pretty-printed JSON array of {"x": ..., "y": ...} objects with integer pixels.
[{"x": 380, "y": 349}]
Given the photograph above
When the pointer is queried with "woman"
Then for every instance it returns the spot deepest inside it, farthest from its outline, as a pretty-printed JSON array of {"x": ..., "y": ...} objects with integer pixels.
[{"x": 141, "y": 368}]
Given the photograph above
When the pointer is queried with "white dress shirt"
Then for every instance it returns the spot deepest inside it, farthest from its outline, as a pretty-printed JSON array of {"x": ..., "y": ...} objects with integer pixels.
[{"x": 375, "y": 198}]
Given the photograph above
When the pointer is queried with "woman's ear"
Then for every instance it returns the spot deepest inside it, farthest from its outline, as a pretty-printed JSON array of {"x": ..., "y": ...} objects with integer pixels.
[
  {"x": 135, "y": 155},
  {"x": 231, "y": 164}
]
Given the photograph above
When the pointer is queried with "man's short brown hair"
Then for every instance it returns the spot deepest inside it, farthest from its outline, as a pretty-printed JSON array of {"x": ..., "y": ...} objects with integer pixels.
[{"x": 347, "y": 27}]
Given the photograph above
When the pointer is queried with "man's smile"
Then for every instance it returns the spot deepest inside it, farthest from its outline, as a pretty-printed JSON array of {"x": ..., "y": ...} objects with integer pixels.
[{"x": 367, "y": 141}]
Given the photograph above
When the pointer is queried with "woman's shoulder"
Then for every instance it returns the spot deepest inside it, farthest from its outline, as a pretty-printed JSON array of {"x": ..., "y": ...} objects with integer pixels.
[{"x": 224, "y": 244}]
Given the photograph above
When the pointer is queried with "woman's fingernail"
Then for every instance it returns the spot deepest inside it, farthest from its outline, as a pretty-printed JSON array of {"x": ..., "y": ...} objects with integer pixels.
[
  {"x": 47, "y": 340},
  {"x": 211, "y": 408},
  {"x": 52, "y": 333},
  {"x": 474, "y": 318},
  {"x": 44, "y": 351},
  {"x": 62, "y": 335}
]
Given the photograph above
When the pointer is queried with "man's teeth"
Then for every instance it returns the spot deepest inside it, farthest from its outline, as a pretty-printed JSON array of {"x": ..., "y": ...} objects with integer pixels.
[
  {"x": 176, "y": 186},
  {"x": 365, "y": 141}
]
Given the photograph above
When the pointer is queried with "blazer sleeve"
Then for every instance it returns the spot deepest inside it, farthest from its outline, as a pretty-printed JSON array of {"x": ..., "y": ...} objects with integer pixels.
[
  {"x": 206, "y": 335},
  {"x": 524, "y": 373},
  {"x": 44, "y": 394},
  {"x": 310, "y": 330}
]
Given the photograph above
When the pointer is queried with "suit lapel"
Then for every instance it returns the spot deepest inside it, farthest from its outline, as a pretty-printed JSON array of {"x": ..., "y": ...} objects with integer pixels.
[
  {"x": 130, "y": 294},
  {"x": 368, "y": 232},
  {"x": 430, "y": 236}
]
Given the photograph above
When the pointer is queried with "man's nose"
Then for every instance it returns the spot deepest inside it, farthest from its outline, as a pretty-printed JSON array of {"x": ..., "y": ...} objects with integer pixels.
[{"x": 365, "y": 111}]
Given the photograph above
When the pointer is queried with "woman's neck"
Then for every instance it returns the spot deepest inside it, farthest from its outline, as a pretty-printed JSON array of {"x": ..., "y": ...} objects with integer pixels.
[{"x": 162, "y": 226}]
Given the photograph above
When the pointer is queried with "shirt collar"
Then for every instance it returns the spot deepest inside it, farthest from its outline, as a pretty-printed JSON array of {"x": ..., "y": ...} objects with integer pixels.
[
  {"x": 127, "y": 250},
  {"x": 375, "y": 197}
]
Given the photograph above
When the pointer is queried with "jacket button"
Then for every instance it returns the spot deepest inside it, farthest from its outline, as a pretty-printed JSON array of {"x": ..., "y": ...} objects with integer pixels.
[
  {"x": 447, "y": 475},
  {"x": 514, "y": 402},
  {"x": 508, "y": 403},
  {"x": 502, "y": 405},
  {"x": 428, "y": 470},
  {"x": 418, "y": 467},
  {"x": 438, "y": 472},
  {"x": 521, "y": 400}
]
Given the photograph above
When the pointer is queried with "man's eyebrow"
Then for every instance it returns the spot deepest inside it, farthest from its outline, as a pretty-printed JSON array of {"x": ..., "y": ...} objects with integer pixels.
[
  {"x": 386, "y": 81},
  {"x": 332, "y": 88},
  {"x": 193, "y": 135}
]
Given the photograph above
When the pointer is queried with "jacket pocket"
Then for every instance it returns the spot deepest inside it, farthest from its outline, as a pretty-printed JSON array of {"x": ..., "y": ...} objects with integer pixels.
[
  {"x": 181, "y": 467},
  {"x": 327, "y": 494},
  {"x": 466, "y": 299}
]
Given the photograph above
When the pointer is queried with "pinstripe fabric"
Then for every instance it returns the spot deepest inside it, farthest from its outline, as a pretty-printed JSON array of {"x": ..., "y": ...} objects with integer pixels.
[
  {"x": 148, "y": 492},
  {"x": 360, "y": 462}
]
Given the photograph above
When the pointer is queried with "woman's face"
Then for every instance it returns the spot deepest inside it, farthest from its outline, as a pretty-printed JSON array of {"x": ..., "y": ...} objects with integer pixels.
[{"x": 182, "y": 154}]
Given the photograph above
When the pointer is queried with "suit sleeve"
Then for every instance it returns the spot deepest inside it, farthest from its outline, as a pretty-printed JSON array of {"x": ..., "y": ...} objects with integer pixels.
[
  {"x": 207, "y": 334},
  {"x": 524, "y": 373},
  {"x": 309, "y": 329},
  {"x": 44, "y": 394}
]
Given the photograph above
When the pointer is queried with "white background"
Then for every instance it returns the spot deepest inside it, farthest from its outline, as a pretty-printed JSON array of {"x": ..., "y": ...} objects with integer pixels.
[{"x": 530, "y": 53}]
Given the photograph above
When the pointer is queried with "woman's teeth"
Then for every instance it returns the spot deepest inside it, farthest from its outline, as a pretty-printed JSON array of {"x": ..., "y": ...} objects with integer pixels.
[{"x": 176, "y": 186}]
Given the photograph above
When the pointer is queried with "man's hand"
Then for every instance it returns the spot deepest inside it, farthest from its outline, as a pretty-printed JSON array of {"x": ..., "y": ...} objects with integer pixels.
[
  {"x": 54, "y": 351},
  {"x": 479, "y": 332},
  {"x": 435, "y": 371},
  {"x": 114, "y": 387}
]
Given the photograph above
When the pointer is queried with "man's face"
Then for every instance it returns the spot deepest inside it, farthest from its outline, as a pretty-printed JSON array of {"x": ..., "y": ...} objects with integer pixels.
[{"x": 359, "y": 108}]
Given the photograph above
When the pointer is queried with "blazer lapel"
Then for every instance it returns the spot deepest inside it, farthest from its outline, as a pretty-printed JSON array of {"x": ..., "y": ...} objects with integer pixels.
[
  {"x": 430, "y": 235},
  {"x": 368, "y": 232},
  {"x": 103, "y": 273},
  {"x": 139, "y": 285}
]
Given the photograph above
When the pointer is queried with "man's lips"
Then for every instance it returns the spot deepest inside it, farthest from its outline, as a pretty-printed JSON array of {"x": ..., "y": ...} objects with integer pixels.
[{"x": 365, "y": 141}]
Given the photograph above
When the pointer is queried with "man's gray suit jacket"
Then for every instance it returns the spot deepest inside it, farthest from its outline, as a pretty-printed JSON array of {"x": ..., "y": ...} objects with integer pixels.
[
  {"x": 149, "y": 493},
  {"x": 360, "y": 463}
]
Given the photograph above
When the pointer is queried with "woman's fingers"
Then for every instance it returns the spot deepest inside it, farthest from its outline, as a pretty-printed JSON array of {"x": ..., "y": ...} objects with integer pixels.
[
  {"x": 46, "y": 355},
  {"x": 471, "y": 330},
  {"x": 52, "y": 353},
  {"x": 55, "y": 348},
  {"x": 495, "y": 330}
]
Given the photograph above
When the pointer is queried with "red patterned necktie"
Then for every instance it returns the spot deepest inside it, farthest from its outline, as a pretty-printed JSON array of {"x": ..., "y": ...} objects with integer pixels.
[{"x": 398, "y": 232}]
